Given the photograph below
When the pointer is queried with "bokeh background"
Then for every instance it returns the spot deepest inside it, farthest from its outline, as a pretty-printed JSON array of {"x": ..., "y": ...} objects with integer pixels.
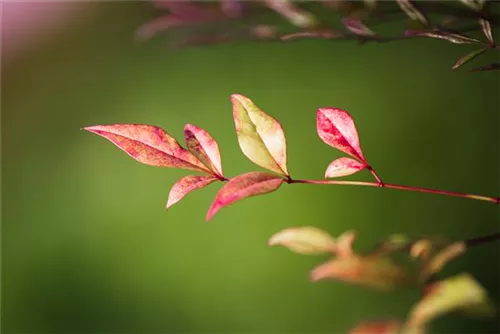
[{"x": 87, "y": 246}]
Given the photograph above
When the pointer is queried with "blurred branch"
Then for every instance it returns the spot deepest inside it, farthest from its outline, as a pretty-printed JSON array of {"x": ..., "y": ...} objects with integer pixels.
[{"x": 228, "y": 21}]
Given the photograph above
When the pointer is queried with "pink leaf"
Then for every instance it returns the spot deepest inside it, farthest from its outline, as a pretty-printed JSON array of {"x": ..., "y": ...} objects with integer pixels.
[
  {"x": 187, "y": 184},
  {"x": 243, "y": 186},
  {"x": 357, "y": 27},
  {"x": 149, "y": 145},
  {"x": 204, "y": 147},
  {"x": 377, "y": 327},
  {"x": 337, "y": 129},
  {"x": 260, "y": 136},
  {"x": 344, "y": 167}
]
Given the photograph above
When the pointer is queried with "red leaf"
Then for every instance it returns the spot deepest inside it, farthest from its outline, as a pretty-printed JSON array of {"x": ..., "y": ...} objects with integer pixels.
[
  {"x": 149, "y": 145},
  {"x": 337, "y": 129},
  {"x": 344, "y": 167},
  {"x": 243, "y": 186},
  {"x": 377, "y": 327},
  {"x": 187, "y": 184},
  {"x": 204, "y": 147},
  {"x": 489, "y": 67}
]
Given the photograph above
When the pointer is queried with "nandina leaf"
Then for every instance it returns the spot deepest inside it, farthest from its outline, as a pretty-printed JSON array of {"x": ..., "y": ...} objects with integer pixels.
[
  {"x": 377, "y": 327},
  {"x": 186, "y": 185},
  {"x": 413, "y": 13},
  {"x": 476, "y": 5},
  {"x": 304, "y": 240},
  {"x": 204, "y": 147},
  {"x": 292, "y": 13},
  {"x": 345, "y": 242},
  {"x": 243, "y": 186},
  {"x": 468, "y": 57},
  {"x": 434, "y": 256},
  {"x": 489, "y": 67},
  {"x": 343, "y": 167},
  {"x": 260, "y": 136},
  {"x": 149, "y": 145},
  {"x": 460, "y": 292},
  {"x": 486, "y": 27},
  {"x": 372, "y": 271},
  {"x": 316, "y": 33},
  {"x": 337, "y": 129},
  {"x": 357, "y": 27},
  {"x": 445, "y": 35}
]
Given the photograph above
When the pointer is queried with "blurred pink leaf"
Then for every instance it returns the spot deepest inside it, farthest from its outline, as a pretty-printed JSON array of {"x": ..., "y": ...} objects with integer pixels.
[
  {"x": 204, "y": 147},
  {"x": 460, "y": 292},
  {"x": 441, "y": 34},
  {"x": 343, "y": 167},
  {"x": 413, "y": 13},
  {"x": 323, "y": 33},
  {"x": 243, "y": 186},
  {"x": 489, "y": 67},
  {"x": 232, "y": 8},
  {"x": 292, "y": 13},
  {"x": 468, "y": 57},
  {"x": 357, "y": 27},
  {"x": 377, "y": 272},
  {"x": 260, "y": 136},
  {"x": 187, "y": 184},
  {"x": 181, "y": 13},
  {"x": 434, "y": 256},
  {"x": 304, "y": 240},
  {"x": 486, "y": 27},
  {"x": 386, "y": 327},
  {"x": 149, "y": 145},
  {"x": 337, "y": 129},
  {"x": 377, "y": 327}
]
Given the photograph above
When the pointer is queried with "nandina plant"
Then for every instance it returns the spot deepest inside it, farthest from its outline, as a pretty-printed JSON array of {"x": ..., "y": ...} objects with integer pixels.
[
  {"x": 202, "y": 23},
  {"x": 262, "y": 140}
]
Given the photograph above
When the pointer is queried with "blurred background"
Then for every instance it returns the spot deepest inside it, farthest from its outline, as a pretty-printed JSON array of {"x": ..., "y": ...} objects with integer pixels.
[{"x": 87, "y": 246}]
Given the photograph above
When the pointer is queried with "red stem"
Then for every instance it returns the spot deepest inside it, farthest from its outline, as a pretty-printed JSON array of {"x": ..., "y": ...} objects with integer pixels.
[{"x": 378, "y": 184}]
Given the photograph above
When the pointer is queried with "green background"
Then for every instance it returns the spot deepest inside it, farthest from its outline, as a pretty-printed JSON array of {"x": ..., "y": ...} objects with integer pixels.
[{"x": 87, "y": 245}]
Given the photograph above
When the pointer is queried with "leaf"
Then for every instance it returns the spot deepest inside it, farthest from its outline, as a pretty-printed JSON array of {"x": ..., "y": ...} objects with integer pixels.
[
  {"x": 292, "y": 13},
  {"x": 489, "y": 67},
  {"x": 439, "y": 260},
  {"x": 441, "y": 34},
  {"x": 476, "y": 5},
  {"x": 149, "y": 145},
  {"x": 343, "y": 167},
  {"x": 377, "y": 327},
  {"x": 337, "y": 129},
  {"x": 486, "y": 27},
  {"x": 204, "y": 147},
  {"x": 357, "y": 27},
  {"x": 460, "y": 292},
  {"x": 243, "y": 186},
  {"x": 260, "y": 136},
  {"x": 468, "y": 57},
  {"x": 413, "y": 13},
  {"x": 378, "y": 272},
  {"x": 304, "y": 240},
  {"x": 323, "y": 33},
  {"x": 186, "y": 185}
]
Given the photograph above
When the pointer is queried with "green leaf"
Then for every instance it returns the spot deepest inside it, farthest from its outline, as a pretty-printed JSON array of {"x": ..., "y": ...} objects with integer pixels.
[
  {"x": 460, "y": 292},
  {"x": 304, "y": 240},
  {"x": 260, "y": 136},
  {"x": 468, "y": 57}
]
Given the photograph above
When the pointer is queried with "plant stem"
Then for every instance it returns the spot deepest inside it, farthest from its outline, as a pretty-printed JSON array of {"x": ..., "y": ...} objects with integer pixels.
[
  {"x": 495, "y": 200},
  {"x": 482, "y": 240}
]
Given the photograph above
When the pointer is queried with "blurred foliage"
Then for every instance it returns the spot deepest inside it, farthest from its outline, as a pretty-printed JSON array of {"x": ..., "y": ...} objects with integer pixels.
[{"x": 87, "y": 247}]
